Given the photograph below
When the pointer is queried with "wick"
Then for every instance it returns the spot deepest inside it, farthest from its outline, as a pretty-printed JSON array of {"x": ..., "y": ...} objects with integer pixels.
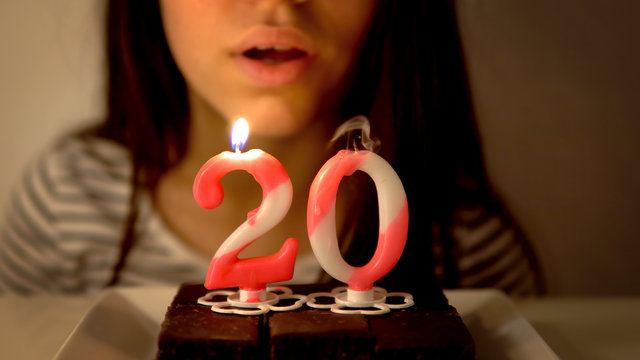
[
  {"x": 238, "y": 148},
  {"x": 356, "y": 139}
]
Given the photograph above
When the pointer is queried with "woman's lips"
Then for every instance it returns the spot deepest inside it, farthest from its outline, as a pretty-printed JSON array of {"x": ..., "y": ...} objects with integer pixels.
[{"x": 274, "y": 56}]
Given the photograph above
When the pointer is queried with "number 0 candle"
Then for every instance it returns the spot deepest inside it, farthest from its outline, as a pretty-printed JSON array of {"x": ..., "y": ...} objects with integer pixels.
[
  {"x": 393, "y": 218},
  {"x": 226, "y": 270}
]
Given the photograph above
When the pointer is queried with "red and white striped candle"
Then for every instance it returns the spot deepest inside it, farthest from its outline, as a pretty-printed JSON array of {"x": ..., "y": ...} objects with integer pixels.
[
  {"x": 393, "y": 213},
  {"x": 226, "y": 270}
]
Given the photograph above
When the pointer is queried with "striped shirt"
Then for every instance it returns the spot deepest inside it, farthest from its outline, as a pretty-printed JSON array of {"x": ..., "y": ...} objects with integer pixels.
[
  {"x": 488, "y": 251},
  {"x": 64, "y": 225}
]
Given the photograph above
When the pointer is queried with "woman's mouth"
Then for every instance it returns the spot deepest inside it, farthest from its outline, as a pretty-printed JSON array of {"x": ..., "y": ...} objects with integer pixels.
[{"x": 274, "y": 56}]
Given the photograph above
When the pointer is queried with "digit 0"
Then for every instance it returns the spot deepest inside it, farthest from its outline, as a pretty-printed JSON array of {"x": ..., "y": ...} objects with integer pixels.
[{"x": 393, "y": 214}]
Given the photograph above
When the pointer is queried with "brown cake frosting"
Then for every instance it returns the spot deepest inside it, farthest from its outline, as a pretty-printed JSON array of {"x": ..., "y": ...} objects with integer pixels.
[{"x": 423, "y": 331}]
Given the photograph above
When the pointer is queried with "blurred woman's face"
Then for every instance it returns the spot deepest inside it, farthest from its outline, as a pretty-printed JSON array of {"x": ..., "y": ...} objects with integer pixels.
[{"x": 278, "y": 63}]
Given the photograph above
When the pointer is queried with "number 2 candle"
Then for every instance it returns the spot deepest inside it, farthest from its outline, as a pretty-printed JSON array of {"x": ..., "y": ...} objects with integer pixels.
[{"x": 226, "y": 270}]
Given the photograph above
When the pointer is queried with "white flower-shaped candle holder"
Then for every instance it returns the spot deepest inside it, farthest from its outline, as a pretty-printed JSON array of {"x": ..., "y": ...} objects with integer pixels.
[
  {"x": 244, "y": 302},
  {"x": 368, "y": 302}
]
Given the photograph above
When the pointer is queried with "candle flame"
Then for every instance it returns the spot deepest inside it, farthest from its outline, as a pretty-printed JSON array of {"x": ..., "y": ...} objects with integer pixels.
[{"x": 239, "y": 134}]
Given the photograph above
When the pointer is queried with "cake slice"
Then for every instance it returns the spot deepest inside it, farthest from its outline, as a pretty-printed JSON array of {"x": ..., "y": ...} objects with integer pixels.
[
  {"x": 420, "y": 333},
  {"x": 192, "y": 331},
  {"x": 319, "y": 334}
]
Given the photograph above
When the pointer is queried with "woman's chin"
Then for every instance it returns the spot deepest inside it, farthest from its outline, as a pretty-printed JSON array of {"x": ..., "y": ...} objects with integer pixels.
[
  {"x": 280, "y": 130},
  {"x": 274, "y": 121}
]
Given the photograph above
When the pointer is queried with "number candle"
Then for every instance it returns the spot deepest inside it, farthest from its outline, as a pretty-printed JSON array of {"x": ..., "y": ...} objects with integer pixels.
[
  {"x": 226, "y": 270},
  {"x": 393, "y": 213}
]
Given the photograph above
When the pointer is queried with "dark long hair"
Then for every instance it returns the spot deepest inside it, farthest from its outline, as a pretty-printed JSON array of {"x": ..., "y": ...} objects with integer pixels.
[
  {"x": 411, "y": 84},
  {"x": 147, "y": 109}
]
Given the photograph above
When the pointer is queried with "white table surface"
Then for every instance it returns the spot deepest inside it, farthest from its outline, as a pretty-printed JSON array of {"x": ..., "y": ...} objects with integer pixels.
[
  {"x": 575, "y": 328},
  {"x": 586, "y": 328}
]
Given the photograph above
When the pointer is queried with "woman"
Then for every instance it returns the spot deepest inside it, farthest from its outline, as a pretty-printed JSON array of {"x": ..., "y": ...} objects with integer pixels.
[{"x": 113, "y": 204}]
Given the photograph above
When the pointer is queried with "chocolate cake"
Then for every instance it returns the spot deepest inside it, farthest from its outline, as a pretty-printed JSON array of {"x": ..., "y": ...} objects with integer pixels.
[{"x": 423, "y": 331}]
